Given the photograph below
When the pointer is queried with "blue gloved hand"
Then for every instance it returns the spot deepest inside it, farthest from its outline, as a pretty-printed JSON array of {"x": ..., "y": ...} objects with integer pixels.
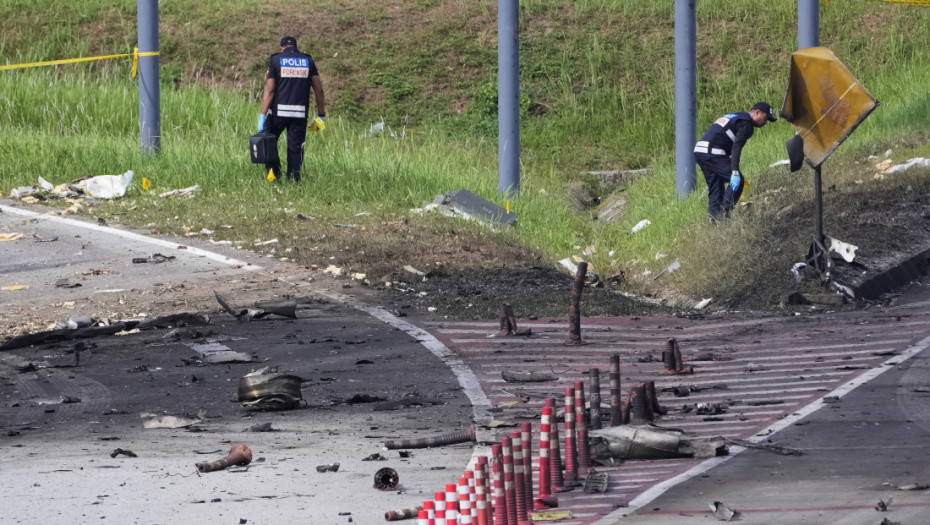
[
  {"x": 322, "y": 117},
  {"x": 734, "y": 180},
  {"x": 261, "y": 122}
]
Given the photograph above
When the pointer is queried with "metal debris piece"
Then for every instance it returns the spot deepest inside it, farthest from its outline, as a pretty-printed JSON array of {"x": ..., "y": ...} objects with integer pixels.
[
  {"x": 375, "y": 457},
  {"x": 288, "y": 310},
  {"x": 332, "y": 467},
  {"x": 435, "y": 441},
  {"x": 120, "y": 451},
  {"x": 641, "y": 442},
  {"x": 595, "y": 482},
  {"x": 239, "y": 455},
  {"x": 155, "y": 258},
  {"x": 771, "y": 447},
  {"x": 722, "y": 512},
  {"x": 266, "y": 389},
  {"x": 65, "y": 283},
  {"x": 882, "y": 505},
  {"x": 887, "y": 521},
  {"x": 156, "y": 421},
  {"x": 261, "y": 427},
  {"x": 406, "y": 402},
  {"x": 386, "y": 479},
  {"x": 914, "y": 486},
  {"x": 226, "y": 356},
  {"x": 526, "y": 377},
  {"x": 174, "y": 321}
]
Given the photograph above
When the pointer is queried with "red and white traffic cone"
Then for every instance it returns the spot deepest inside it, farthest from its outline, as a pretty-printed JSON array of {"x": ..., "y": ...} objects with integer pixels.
[
  {"x": 452, "y": 504},
  {"x": 472, "y": 494},
  {"x": 429, "y": 507},
  {"x": 423, "y": 518},
  {"x": 584, "y": 457},
  {"x": 526, "y": 439},
  {"x": 555, "y": 452},
  {"x": 545, "y": 499},
  {"x": 510, "y": 494},
  {"x": 464, "y": 502},
  {"x": 616, "y": 405},
  {"x": 500, "y": 494},
  {"x": 519, "y": 478},
  {"x": 571, "y": 459},
  {"x": 440, "y": 503},
  {"x": 481, "y": 490}
]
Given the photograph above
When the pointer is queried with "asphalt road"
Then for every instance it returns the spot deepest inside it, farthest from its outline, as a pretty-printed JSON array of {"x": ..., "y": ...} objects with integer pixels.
[{"x": 777, "y": 370}]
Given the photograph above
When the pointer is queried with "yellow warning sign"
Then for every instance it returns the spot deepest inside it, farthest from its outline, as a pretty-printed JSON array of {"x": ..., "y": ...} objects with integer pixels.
[
  {"x": 555, "y": 515},
  {"x": 824, "y": 101}
]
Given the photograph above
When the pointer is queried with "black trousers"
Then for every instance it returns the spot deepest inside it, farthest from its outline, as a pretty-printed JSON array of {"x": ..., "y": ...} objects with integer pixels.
[
  {"x": 296, "y": 136},
  {"x": 720, "y": 196}
]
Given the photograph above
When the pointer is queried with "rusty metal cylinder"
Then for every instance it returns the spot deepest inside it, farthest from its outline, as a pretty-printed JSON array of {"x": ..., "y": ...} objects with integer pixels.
[
  {"x": 405, "y": 514},
  {"x": 574, "y": 307},
  {"x": 640, "y": 409},
  {"x": 571, "y": 455},
  {"x": 435, "y": 441},
  {"x": 581, "y": 430},
  {"x": 555, "y": 451}
]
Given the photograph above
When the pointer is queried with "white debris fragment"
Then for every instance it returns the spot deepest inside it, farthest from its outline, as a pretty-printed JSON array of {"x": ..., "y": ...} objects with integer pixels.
[
  {"x": 106, "y": 186},
  {"x": 334, "y": 270},
  {"x": 845, "y": 250},
  {"x": 569, "y": 265},
  {"x": 180, "y": 193},
  {"x": 783, "y": 162},
  {"x": 900, "y": 168},
  {"x": 702, "y": 303},
  {"x": 796, "y": 270},
  {"x": 266, "y": 243},
  {"x": 640, "y": 225}
]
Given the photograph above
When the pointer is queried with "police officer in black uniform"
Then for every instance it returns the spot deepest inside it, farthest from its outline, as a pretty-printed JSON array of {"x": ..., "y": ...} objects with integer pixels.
[
  {"x": 291, "y": 74},
  {"x": 718, "y": 153}
]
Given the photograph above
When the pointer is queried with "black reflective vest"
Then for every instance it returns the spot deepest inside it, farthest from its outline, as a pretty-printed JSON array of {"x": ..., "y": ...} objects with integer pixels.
[
  {"x": 720, "y": 136},
  {"x": 291, "y": 70}
]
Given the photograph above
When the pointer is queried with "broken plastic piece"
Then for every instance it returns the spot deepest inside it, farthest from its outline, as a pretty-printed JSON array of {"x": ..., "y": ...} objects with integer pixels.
[
  {"x": 106, "y": 186},
  {"x": 722, "y": 512}
]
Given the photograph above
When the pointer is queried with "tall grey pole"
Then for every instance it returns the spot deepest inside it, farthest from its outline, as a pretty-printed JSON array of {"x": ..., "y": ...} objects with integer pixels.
[
  {"x": 149, "y": 95},
  {"x": 508, "y": 97},
  {"x": 685, "y": 97},
  {"x": 808, "y": 23}
]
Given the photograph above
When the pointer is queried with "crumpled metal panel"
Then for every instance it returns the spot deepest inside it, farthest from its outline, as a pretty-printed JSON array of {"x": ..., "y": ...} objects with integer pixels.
[{"x": 265, "y": 388}]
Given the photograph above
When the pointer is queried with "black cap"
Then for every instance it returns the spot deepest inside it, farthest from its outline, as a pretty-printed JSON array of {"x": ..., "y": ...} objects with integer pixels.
[
  {"x": 765, "y": 108},
  {"x": 288, "y": 41}
]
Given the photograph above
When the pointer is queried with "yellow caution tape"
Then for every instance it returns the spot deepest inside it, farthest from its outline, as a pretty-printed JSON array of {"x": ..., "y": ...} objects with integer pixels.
[
  {"x": 551, "y": 516},
  {"x": 135, "y": 60}
]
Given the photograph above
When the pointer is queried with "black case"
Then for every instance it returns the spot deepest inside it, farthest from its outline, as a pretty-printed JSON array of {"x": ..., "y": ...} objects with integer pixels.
[{"x": 263, "y": 148}]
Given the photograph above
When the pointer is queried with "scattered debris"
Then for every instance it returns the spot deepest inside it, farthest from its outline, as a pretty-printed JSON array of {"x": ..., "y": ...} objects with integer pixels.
[
  {"x": 722, "y": 512},
  {"x": 288, "y": 310},
  {"x": 845, "y": 250},
  {"x": 640, "y": 225},
  {"x": 10, "y": 236},
  {"x": 672, "y": 268},
  {"x": 595, "y": 482},
  {"x": 224, "y": 357},
  {"x": 156, "y": 421},
  {"x": 702, "y": 303},
  {"x": 180, "y": 193},
  {"x": 386, "y": 479},
  {"x": 468, "y": 205},
  {"x": 405, "y": 514},
  {"x": 358, "y": 399},
  {"x": 266, "y": 389},
  {"x": 771, "y": 447},
  {"x": 641, "y": 442},
  {"x": 375, "y": 457},
  {"x": 65, "y": 283},
  {"x": 155, "y": 258},
  {"x": 555, "y": 515},
  {"x": 882, "y": 505},
  {"x": 332, "y": 467},
  {"x": 508, "y": 323},
  {"x": 526, "y": 377},
  {"x": 15, "y": 287},
  {"x": 435, "y": 441},
  {"x": 105, "y": 186},
  {"x": 918, "y": 162},
  {"x": 406, "y": 402},
  {"x": 123, "y": 452},
  {"x": 262, "y": 427},
  {"x": 239, "y": 455}
]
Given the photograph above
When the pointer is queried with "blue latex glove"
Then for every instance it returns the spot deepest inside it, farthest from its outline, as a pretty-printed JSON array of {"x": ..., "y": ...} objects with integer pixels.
[
  {"x": 323, "y": 118},
  {"x": 261, "y": 122},
  {"x": 734, "y": 180}
]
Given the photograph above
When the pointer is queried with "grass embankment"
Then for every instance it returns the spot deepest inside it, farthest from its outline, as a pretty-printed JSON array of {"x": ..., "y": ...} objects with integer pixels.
[{"x": 598, "y": 84}]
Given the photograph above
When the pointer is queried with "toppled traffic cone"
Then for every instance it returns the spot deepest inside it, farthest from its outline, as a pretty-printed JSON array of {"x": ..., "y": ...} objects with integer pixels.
[
  {"x": 436, "y": 441},
  {"x": 288, "y": 310},
  {"x": 239, "y": 455}
]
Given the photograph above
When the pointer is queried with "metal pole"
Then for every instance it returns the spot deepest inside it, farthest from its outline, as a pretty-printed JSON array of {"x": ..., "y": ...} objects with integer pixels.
[
  {"x": 808, "y": 23},
  {"x": 508, "y": 97},
  {"x": 149, "y": 96},
  {"x": 818, "y": 206},
  {"x": 685, "y": 97}
]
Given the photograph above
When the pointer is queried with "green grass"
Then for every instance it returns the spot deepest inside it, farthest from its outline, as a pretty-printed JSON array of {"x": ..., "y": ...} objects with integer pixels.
[{"x": 598, "y": 86}]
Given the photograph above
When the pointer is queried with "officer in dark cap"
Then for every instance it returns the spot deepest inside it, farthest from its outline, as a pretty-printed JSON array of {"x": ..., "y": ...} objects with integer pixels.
[
  {"x": 718, "y": 154},
  {"x": 285, "y": 104}
]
